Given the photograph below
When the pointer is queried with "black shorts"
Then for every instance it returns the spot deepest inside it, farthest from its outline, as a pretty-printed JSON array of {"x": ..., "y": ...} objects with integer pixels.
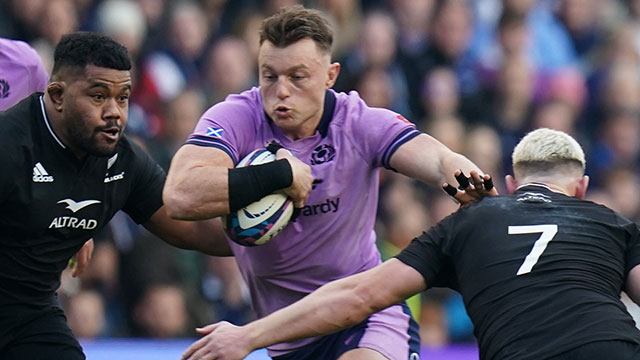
[
  {"x": 37, "y": 334},
  {"x": 599, "y": 350}
]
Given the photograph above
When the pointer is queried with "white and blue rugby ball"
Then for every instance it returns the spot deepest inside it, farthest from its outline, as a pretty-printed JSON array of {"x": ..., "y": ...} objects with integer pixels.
[{"x": 259, "y": 222}]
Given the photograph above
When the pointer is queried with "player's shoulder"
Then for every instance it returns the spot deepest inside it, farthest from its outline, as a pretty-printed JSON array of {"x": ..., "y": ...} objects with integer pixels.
[
  {"x": 241, "y": 107},
  {"x": 350, "y": 107},
  {"x": 16, "y": 121},
  {"x": 18, "y": 52}
]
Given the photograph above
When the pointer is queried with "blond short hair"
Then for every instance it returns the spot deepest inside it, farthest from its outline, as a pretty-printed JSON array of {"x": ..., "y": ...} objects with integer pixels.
[{"x": 543, "y": 150}]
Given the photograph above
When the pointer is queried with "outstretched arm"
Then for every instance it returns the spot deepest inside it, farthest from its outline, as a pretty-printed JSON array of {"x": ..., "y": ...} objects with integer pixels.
[
  {"x": 334, "y": 306},
  {"x": 426, "y": 159},
  {"x": 206, "y": 236}
]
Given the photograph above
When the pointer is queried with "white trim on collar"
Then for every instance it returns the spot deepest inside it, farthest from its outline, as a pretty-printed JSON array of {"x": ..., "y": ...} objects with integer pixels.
[
  {"x": 46, "y": 121},
  {"x": 534, "y": 184}
]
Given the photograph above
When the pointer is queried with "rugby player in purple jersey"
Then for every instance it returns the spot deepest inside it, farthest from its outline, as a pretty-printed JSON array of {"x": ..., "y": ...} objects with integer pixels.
[
  {"x": 339, "y": 144},
  {"x": 21, "y": 72}
]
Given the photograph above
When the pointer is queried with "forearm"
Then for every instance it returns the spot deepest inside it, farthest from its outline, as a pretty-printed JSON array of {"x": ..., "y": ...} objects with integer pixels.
[
  {"x": 333, "y": 307},
  {"x": 426, "y": 159}
]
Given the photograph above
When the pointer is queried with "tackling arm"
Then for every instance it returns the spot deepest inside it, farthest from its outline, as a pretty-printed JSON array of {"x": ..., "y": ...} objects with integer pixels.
[
  {"x": 334, "y": 306},
  {"x": 206, "y": 236}
]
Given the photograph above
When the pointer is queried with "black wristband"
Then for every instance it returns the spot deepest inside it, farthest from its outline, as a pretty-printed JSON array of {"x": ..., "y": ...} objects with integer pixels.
[{"x": 251, "y": 183}]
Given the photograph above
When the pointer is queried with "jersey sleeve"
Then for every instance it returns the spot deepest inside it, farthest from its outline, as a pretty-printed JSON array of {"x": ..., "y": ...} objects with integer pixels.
[
  {"x": 229, "y": 125},
  {"x": 145, "y": 196},
  {"x": 381, "y": 132},
  {"x": 428, "y": 255}
]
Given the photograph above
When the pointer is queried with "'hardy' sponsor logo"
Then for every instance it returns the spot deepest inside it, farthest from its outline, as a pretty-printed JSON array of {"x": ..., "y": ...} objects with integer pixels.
[{"x": 328, "y": 206}]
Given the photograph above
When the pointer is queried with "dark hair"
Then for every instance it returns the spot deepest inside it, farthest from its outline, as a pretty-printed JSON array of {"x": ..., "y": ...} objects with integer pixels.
[
  {"x": 79, "y": 49},
  {"x": 294, "y": 23}
]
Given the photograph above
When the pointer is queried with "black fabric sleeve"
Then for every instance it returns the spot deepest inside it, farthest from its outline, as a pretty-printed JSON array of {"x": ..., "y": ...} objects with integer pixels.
[
  {"x": 425, "y": 254},
  {"x": 145, "y": 197}
]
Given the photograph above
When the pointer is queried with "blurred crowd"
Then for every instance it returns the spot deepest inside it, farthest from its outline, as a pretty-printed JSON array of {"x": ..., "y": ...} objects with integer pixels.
[{"x": 475, "y": 74}]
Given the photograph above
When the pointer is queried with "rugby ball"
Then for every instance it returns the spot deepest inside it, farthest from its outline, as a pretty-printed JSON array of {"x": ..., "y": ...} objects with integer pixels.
[{"x": 258, "y": 222}]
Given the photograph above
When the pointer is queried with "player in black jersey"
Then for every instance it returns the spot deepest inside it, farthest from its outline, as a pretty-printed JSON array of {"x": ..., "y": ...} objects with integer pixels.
[
  {"x": 540, "y": 271},
  {"x": 65, "y": 169}
]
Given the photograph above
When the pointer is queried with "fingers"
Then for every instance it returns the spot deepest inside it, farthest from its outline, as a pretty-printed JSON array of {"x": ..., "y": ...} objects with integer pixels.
[
  {"x": 462, "y": 179},
  {"x": 193, "y": 348},
  {"x": 207, "y": 329}
]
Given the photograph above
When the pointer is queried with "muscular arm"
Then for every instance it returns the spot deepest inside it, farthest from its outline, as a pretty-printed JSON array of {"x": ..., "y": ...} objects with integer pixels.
[
  {"x": 206, "y": 236},
  {"x": 197, "y": 183},
  {"x": 332, "y": 307}
]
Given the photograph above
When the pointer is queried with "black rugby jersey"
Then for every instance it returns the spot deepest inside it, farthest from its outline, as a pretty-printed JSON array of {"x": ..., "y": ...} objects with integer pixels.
[
  {"x": 540, "y": 272},
  {"x": 51, "y": 203}
]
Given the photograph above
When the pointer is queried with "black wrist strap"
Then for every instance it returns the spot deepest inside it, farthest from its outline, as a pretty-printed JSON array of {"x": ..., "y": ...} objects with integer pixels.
[{"x": 251, "y": 183}]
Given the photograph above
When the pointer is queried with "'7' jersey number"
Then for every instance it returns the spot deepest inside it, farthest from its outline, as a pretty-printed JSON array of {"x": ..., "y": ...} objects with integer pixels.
[{"x": 548, "y": 232}]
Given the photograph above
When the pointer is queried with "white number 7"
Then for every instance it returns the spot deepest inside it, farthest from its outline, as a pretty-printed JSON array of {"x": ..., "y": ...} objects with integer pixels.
[{"x": 548, "y": 232}]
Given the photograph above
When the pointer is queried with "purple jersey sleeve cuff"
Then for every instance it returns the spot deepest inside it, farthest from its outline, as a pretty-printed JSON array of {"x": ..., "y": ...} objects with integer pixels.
[{"x": 402, "y": 138}]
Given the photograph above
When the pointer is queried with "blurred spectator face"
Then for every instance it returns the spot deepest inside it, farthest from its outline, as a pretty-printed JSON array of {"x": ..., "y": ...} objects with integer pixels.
[
  {"x": 620, "y": 47},
  {"x": 568, "y": 86},
  {"x": 449, "y": 131},
  {"x": 622, "y": 134},
  {"x": 514, "y": 36},
  {"x": 28, "y": 11},
  {"x": 482, "y": 146},
  {"x": 555, "y": 115},
  {"x": 516, "y": 81},
  {"x": 375, "y": 88},
  {"x": 230, "y": 66},
  {"x": 378, "y": 41},
  {"x": 441, "y": 95},
  {"x": 250, "y": 33},
  {"x": 272, "y": 6},
  {"x": 59, "y": 17},
  {"x": 124, "y": 21},
  {"x": 622, "y": 88},
  {"x": 162, "y": 312},
  {"x": 188, "y": 30},
  {"x": 85, "y": 314},
  {"x": 619, "y": 184},
  {"x": 452, "y": 28},
  {"x": 579, "y": 15},
  {"x": 518, "y": 6},
  {"x": 413, "y": 14},
  {"x": 152, "y": 10},
  {"x": 184, "y": 112},
  {"x": 339, "y": 8}
]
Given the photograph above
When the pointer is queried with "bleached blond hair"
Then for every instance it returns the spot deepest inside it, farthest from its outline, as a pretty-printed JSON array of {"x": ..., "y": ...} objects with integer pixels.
[{"x": 543, "y": 151}]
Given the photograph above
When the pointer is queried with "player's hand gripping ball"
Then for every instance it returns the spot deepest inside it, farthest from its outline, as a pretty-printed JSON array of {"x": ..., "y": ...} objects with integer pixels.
[{"x": 259, "y": 222}]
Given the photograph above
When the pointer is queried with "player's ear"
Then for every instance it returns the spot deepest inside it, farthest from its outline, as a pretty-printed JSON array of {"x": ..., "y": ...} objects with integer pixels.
[
  {"x": 581, "y": 187},
  {"x": 334, "y": 70},
  {"x": 511, "y": 183},
  {"x": 55, "y": 90}
]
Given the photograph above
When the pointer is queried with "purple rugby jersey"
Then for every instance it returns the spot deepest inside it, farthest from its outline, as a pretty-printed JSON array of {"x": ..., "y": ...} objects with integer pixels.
[
  {"x": 21, "y": 72},
  {"x": 333, "y": 237}
]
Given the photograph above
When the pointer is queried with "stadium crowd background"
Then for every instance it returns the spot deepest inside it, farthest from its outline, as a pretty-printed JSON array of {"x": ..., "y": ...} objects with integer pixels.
[{"x": 477, "y": 75}]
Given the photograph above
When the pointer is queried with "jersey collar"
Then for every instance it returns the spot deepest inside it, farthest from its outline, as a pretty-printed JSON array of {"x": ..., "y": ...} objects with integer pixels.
[
  {"x": 327, "y": 113},
  {"x": 48, "y": 124}
]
